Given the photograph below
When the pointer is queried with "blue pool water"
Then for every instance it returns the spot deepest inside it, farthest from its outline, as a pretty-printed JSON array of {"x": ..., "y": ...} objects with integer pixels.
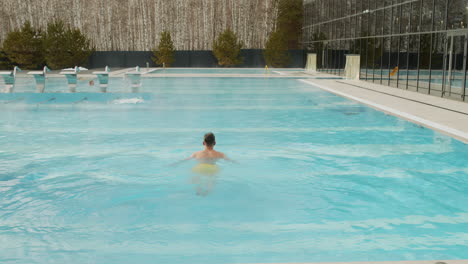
[{"x": 320, "y": 178}]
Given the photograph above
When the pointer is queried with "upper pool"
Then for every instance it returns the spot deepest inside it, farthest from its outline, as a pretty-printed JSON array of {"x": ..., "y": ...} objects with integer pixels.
[{"x": 85, "y": 177}]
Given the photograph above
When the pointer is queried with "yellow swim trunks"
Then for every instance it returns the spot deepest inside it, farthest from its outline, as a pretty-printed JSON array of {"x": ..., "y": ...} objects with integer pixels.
[{"x": 206, "y": 169}]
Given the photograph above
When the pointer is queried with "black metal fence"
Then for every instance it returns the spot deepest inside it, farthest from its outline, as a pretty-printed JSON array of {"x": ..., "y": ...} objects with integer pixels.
[
  {"x": 418, "y": 45},
  {"x": 252, "y": 58}
]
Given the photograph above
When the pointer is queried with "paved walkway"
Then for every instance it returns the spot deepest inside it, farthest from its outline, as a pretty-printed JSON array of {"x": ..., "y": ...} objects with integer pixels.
[
  {"x": 462, "y": 261},
  {"x": 447, "y": 116}
]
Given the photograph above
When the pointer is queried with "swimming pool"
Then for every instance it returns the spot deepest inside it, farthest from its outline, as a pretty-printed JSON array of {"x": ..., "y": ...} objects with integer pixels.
[{"x": 320, "y": 178}]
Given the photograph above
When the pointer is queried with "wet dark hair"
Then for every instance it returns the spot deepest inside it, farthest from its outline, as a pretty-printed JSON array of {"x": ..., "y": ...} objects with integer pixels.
[{"x": 210, "y": 139}]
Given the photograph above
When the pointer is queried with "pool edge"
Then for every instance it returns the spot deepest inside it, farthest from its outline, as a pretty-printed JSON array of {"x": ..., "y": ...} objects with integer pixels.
[
  {"x": 457, "y": 134},
  {"x": 460, "y": 261}
]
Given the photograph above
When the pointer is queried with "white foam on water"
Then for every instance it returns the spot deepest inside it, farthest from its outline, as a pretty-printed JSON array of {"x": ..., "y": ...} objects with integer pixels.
[{"x": 129, "y": 101}]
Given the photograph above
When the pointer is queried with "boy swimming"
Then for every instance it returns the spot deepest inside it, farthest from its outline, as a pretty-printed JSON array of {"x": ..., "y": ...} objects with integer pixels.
[
  {"x": 208, "y": 155},
  {"x": 206, "y": 169}
]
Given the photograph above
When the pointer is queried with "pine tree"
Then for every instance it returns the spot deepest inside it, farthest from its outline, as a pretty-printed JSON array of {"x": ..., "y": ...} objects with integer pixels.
[
  {"x": 276, "y": 50},
  {"x": 290, "y": 18},
  {"x": 65, "y": 46},
  {"x": 164, "y": 54},
  {"x": 5, "y": 63},
  {"x": 227, "y": 48},
  {"x": 24, "y": 47}
]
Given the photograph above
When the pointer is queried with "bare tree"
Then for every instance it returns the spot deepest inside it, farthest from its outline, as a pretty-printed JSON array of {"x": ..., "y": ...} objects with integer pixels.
[{"x": 136, "y": 24}]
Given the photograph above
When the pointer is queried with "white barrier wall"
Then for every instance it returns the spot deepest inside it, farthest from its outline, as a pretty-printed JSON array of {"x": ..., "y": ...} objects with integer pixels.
[
  {"x": 311, "y": 65},
  {"x": 353, "y": 66}
]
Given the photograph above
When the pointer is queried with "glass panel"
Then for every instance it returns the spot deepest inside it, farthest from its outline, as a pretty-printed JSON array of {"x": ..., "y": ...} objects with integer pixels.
[
  {"x": 377, "y": 59},
  {"x": 412, "y": 63},
  {"x": 453, "y": 81},
  {"x": 396, "y": 19},
  {"x": 403, "y": 69},
  {"x": 392, "y": 69},
  {"x": 385, "y": 61},
  {"x": 406, "y": 11},
  {"x": 456, "y": 14},
  {"x": 383, "y": 34},
  {"x": 438, "y": 70},
  {"x": 465, "y": 13},
  {"x": 427, "y": 16},
  {"x": 415, "y": 16},
  {"x": 342, "y": 57}
]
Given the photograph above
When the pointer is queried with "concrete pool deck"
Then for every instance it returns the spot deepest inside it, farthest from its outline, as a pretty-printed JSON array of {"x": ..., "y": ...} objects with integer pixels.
[
  {"x": 461, "y": 261},
  {"x": 444, "y": 115}
]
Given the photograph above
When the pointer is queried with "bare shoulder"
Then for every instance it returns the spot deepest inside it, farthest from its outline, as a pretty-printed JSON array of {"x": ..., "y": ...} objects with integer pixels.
[
  {"x": 220, "y": 155},
  {"x": 196, "y": 154}
]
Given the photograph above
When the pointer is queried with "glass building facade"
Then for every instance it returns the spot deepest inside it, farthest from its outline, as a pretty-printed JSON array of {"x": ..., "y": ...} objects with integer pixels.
[{"x": 418, "y": 45}]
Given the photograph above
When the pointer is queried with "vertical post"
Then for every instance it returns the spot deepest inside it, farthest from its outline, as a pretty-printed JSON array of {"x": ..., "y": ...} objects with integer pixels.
[
  {"x": 359, "y": 20},
  {"x": 465, "y": 50},
  {"x": 367, "y": 39},
  {"x": 373, "y": 60},
  {"x": 430, "y": 50},
  {"x": 340, "y": 61},
  {"x": 449, "y": 76},
  {"x": 408, "y": 45},
  {"x": 325, "y": 56},
  {"x": 419, "y": 43},
  {"x": 390, "y": 47},
  {"x": 383, "y": 46},
  {"x": 446, "y": 57},
  {"x": 374, "y": 15},
  {"x": 399, "y": 19},
  {"x": 340, "y": 58},
  {"x": 332, "y": 37}
]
